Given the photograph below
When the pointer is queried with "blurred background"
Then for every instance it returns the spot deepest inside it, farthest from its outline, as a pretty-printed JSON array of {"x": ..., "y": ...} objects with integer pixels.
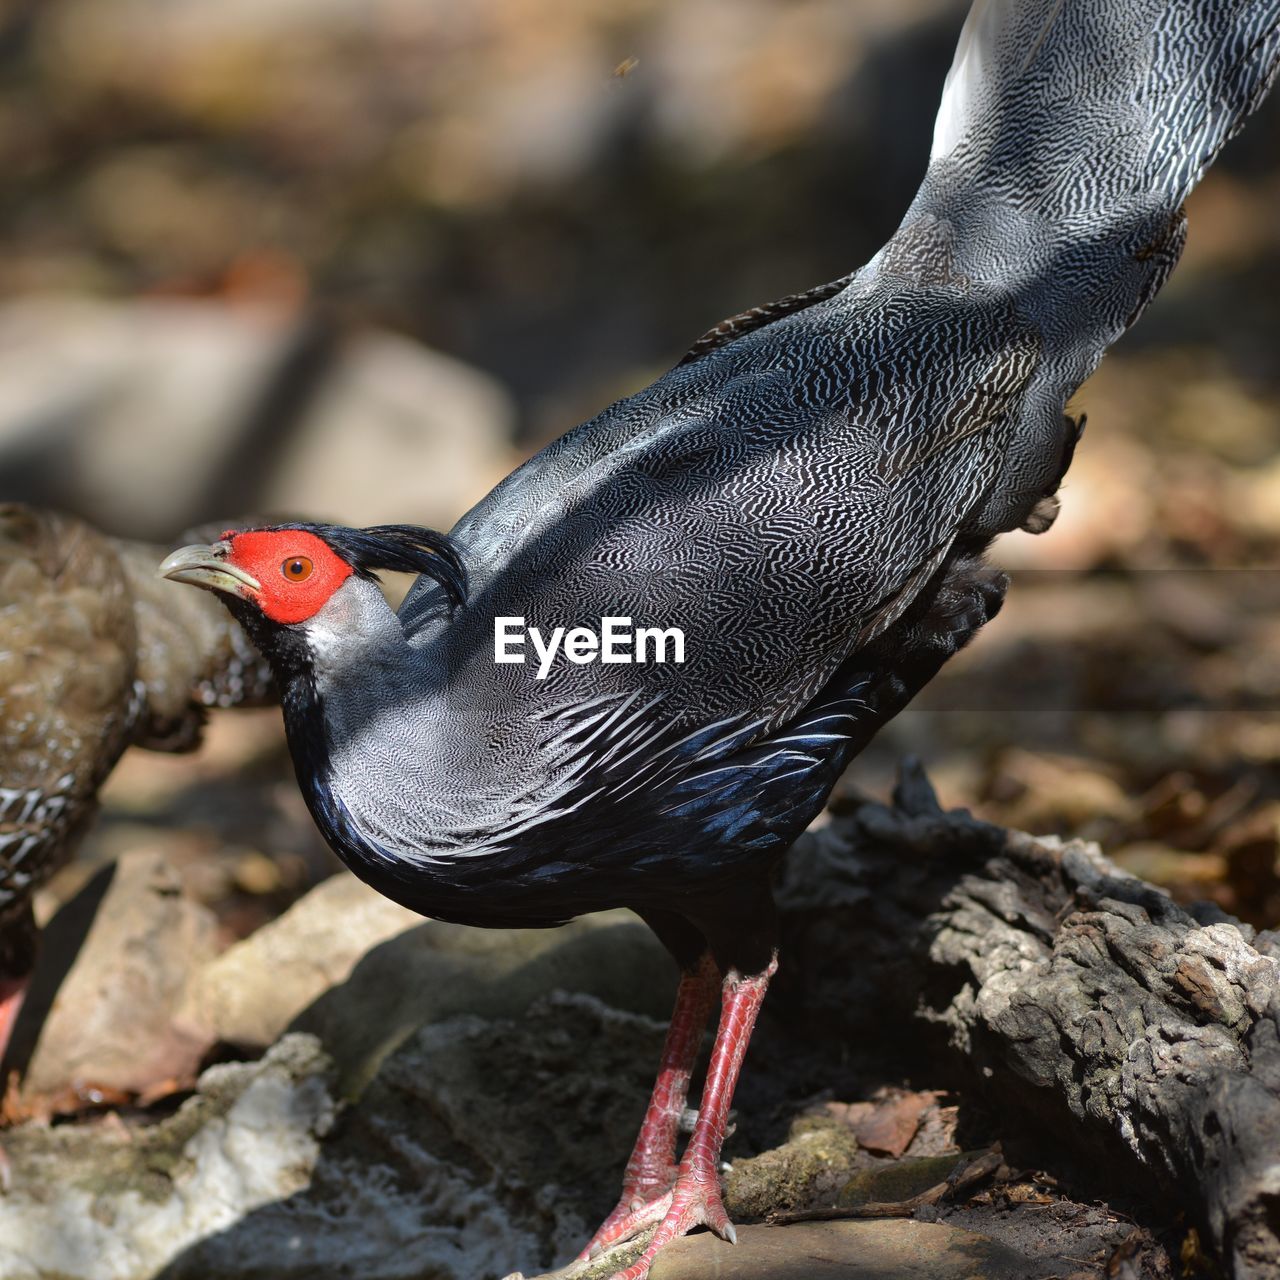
[{"x": 356, "y": 258}]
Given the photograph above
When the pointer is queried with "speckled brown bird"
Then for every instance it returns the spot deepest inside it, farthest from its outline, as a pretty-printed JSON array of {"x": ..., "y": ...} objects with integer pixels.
[{"x": 95, "y": 655}]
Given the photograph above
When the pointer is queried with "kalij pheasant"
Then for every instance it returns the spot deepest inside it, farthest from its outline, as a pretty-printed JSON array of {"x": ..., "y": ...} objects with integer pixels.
[{"x": 807, "y": 496}]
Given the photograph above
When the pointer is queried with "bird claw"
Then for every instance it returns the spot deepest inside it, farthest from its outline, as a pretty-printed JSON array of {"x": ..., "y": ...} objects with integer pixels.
[
  {"x": 631, "y": 1216},
  {"x": 694, "y": 1201}
]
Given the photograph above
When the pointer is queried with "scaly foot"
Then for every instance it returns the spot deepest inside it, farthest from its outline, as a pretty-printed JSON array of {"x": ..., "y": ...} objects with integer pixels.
[
  {"x": 651, "y": 1170},
  {"x": 643, "y": 1201},
  {"x": 693, "y": 1202}
]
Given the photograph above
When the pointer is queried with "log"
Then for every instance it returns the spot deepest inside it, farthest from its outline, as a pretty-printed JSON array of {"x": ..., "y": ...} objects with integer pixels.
[{"x": 1078, "y": 1000}]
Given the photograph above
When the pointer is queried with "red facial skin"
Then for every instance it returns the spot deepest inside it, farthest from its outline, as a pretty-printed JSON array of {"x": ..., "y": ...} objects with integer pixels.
[{"x": 265, "y": 553}]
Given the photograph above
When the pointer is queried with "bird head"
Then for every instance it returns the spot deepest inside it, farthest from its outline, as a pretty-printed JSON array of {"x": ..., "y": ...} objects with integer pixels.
[{"x": 279, "y": 578}]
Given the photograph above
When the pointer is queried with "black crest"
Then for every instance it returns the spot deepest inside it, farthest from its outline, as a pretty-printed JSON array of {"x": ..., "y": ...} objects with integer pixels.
[{"x": 397, "y": 548}]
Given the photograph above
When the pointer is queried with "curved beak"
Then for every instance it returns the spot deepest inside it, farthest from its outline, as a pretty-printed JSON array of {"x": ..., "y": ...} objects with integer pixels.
[{"x": 207, "y": 567}]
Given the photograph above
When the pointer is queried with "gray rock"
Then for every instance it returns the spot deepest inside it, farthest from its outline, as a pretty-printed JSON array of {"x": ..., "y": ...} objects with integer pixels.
[
  {"x": 249, "y": 994},
  {"x": 396, "y": 432},
  {"x": 440, "y": 970},
  {"x": 482, "y": 1144},
  {"x": 362, "y": 973},
  {"x": 102, "y": 404},
  {"x": 894, "y": 1249},
  {"x": 106, "y": 1202},
  {"x": 885, "y": 1249},
  {"x": 483, "y": 1115},
  {"x": 475, "y": 1150},
  {"x": 206, "y": 411}
]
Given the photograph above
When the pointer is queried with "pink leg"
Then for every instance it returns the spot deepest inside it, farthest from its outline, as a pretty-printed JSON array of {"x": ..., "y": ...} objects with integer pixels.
[
  {"x": 652, "y": 1167},
  {"x": 12, "y": 991},
  {"x": 695, "y": 1199}
]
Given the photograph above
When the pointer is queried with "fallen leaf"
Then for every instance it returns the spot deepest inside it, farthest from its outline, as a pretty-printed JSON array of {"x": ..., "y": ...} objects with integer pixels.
[{"x": 891, "y": 1126}]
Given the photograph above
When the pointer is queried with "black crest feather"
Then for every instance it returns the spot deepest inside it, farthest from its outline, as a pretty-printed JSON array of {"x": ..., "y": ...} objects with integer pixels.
[{"x": 397, "y": 548}]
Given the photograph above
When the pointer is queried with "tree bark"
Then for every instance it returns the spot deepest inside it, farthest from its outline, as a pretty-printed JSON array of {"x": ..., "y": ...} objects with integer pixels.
[{"x": 1076, "y": 998}]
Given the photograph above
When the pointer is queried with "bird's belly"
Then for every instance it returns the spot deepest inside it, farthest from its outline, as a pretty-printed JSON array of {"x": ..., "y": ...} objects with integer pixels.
[{"x": 693, "y": 836}]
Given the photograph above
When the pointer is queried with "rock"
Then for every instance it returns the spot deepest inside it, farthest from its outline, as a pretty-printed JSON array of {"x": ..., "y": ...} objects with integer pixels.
[
  {"x": 878, "y": 1250},
  {"x": 101, "y": 403},
  {"x": 897, "y": 1180},
  {"x": 362, "y": 973},
  {"x": 474, "y": 1150},
  {"x": 106, "y": 1202},
  {"x": 806, "y": 1171},
  {"x": 845, "y": 1251},
  {"x": 439, "y": 970},
  {"x": 825, "y": 1160},
  {"x": 211, "y": 410},
  {"x": 397, "y": 432},
  {"x": 250, "y": 993},
  {"x": 483, "y": 1144},
  {"x": 112, "y": 973}
]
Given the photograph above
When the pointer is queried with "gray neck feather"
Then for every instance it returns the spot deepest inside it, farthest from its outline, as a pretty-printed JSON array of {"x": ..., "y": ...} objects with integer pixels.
[{"x": 355, "y": 636}]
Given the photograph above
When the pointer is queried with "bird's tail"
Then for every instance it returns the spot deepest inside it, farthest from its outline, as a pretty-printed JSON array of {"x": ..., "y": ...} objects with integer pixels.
[{"x": 1069, "y": 134}]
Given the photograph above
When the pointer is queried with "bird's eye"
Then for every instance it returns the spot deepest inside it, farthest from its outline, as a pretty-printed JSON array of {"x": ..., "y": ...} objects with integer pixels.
[{"x": 297, "y": 568}]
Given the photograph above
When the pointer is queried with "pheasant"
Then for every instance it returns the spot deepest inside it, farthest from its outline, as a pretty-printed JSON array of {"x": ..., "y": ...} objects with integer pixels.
[
  {"x": 806, "y": 499},
  {"x": 95, "y": 655}
]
